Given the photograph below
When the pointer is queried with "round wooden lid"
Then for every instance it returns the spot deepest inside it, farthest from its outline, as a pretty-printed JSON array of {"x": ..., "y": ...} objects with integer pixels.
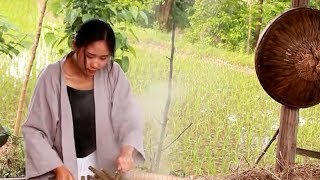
[{"x": 287, "y": 58}]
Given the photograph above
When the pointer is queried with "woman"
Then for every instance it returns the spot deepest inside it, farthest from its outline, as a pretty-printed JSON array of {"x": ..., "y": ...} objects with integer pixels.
[{"x": 82, "y": 112}]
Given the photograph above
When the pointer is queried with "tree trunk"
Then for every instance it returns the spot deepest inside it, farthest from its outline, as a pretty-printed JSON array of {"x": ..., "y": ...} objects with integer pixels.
[
  {"x": 299, "y": 3},
  {"x": 249, "y": 27},
  {"x": 29, "y": 67},
  {"x": 165, "y": 11},
  {"x": 258, "y": 26},
  {"x": 156, "y": 8}
]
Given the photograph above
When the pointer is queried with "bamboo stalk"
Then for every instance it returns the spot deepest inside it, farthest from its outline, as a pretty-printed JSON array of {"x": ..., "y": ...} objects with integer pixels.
[{"x": 29, "y": 67}]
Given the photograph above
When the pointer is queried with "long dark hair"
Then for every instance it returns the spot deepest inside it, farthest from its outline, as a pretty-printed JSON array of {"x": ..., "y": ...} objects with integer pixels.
[{"x": 96, "y": 30}]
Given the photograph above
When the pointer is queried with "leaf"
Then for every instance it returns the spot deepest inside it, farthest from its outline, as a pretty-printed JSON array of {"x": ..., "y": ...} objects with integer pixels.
[
  {"x": 144, "y": 17},
  {"x": 70, "y": 41},
  {"x": 119, "y": 40},
  {"x": 11, "y": 35},
  {"x": 14, "y": 50},
  {"x": 112, "y": 9},
  {"x": 62, "y": 39},
  {"x": 127, "y": 15},
  {"x": 125, "y": 63},
  {"x": 134, "y": 12},
  {"x": 61, "y": 51},
  {"x": 132, "y": 50},
  {"x": 118, "y": 61},
  {"x": 134, "y": 35},
  {"x": 24, "y": 44},
  {"x": 48, "y": 38},
  {"x": 86, "y": 17},
  {"x": 72, "y": 16}
]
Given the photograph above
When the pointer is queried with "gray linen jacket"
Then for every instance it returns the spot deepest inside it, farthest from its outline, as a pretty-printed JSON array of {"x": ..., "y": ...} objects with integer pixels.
[{"x": 48, "y": 130}]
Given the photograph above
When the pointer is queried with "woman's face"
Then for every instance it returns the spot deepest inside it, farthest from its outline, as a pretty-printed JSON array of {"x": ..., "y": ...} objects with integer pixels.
[{"x": 93, "y": 57}]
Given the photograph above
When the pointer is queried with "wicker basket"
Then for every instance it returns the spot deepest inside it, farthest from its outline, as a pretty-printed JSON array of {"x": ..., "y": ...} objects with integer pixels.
[{"x": 287, "y": 58}]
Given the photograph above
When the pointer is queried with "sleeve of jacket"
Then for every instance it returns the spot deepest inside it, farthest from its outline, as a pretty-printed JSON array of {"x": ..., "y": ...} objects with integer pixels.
[
  {"x": 40, "y": 127},
  {"x": 126, "y": 115}
]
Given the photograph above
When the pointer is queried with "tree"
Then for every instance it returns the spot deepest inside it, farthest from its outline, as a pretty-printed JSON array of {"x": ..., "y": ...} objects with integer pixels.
[
  {"x": 221, "y": 23},
  {"x": 163, "y": 12},
  {"x": 164, "y": 9},
  {"x": 120, "y": 12},
  {"x": 248, "y": 48},
  {"x": 258, "y": 25},
  {"x": 232, "y": 24}
]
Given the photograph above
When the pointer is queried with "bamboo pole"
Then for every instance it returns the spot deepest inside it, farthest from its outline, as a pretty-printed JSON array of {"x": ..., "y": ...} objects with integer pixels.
[{"x": 17, "y": 124}]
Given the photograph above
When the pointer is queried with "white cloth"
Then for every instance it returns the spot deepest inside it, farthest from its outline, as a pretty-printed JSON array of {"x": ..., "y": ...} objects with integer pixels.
[{"x": 84, "y": 163}]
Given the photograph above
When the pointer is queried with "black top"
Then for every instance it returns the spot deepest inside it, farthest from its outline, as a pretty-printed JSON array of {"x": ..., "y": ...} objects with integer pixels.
[{"x": 83, "y": 114}]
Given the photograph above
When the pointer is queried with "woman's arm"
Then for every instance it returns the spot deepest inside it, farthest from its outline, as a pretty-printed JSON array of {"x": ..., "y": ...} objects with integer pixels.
[
  {"x": 40, "y": 128},
  {"x": 127, "y": 119}
]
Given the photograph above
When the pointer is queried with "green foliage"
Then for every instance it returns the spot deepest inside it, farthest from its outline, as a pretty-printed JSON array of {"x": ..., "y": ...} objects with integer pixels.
[
  {"x": 181, "y": 11},
  {"x": 10, "y": 41},
  {"x": 273, "y": 8},
  {"x": 224, "y": 23},
  {"x": 24, "y": 14},
  {"x": 119, "y": 13},
  {"x": 315, "y": 4},
  {"x": 219, "y": 22}
]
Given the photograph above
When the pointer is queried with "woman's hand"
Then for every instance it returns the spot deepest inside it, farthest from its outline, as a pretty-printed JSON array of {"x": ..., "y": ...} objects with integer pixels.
[
  {"x": 125, "y": 160},
  {"x": 62, "y": 173}
]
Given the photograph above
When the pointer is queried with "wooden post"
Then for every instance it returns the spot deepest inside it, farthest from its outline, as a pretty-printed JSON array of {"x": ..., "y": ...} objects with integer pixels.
[
  {"x": 287, "y": 140},
  {"x": 289, "y": 118}
]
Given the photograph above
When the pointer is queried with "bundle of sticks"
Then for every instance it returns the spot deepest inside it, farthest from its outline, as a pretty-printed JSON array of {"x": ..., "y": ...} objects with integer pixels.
[
  {"x": 100, "y": 175},
  {"x": 131, "y": 175}
]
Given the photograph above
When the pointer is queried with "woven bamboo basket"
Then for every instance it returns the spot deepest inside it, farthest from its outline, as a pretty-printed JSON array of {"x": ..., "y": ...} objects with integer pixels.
[{"x": 287, "y": 58}]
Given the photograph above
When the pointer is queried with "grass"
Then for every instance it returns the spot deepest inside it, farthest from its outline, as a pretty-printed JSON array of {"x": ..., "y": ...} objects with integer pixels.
[
  {"x": 232, "y": 117},
  {"x": 25, "y": 20},
  {"x": 22, "y": 14},
  {"x": 198, "y": 50},
  {"x": 228, "y": 109}
]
